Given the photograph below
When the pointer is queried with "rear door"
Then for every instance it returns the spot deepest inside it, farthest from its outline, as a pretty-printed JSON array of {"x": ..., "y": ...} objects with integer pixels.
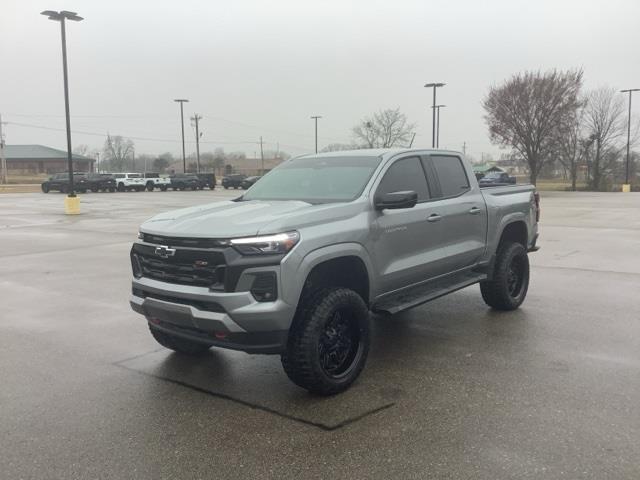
[
  {"x": 408, "y": 245},
  {"x": 462, "y": 207}
]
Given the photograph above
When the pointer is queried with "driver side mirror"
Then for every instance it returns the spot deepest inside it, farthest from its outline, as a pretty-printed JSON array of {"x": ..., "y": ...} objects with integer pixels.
[{"x": 395, "y": 200}]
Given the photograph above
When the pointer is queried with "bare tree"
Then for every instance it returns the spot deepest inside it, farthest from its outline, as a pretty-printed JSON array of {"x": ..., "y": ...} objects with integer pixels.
[
  {"x": 606, "y": 125},
  {"x": 117, "y": 152},
  {"x": 528, "y": 111},
  {"x": 385, "y": 129}
]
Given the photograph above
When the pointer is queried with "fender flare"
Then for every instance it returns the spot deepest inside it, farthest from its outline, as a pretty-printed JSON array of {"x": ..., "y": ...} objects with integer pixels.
[{"x": 323, "y": 254}]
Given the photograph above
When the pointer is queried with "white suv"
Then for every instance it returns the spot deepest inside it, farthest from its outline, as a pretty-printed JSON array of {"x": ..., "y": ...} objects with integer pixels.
[{"x": 129, "y": 181}]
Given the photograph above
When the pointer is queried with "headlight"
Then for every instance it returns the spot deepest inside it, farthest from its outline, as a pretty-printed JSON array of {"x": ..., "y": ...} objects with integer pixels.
[
  {"x": 266, "y": 244},
  {"x": 140, "y": 236}
]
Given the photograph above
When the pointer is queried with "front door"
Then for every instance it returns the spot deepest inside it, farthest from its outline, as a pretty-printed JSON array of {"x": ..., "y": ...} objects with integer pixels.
[{"x": 408, "y": 245}]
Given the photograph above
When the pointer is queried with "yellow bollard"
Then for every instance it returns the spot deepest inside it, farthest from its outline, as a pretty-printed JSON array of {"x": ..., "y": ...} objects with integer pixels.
[
  {"x": 72, "y": 205},
  {"x": 626, "y": 188}
]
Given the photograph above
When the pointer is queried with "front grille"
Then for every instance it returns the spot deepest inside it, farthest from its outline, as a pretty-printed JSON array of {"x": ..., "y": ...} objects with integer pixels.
[
  {"x": 202, "y": 268},
  {"x": 185, "y": 242}
]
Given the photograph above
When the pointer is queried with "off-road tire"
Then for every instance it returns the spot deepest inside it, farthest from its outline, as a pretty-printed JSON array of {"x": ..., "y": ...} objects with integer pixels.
[
  {"x": 178, "y": 344},
  {"x": 301, "y": 360},
  {"x": 500, "y": 293}
]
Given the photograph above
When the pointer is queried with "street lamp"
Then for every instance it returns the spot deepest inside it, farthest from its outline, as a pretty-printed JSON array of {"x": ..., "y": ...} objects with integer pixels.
[
  {"x": 71, "y": 206},
  {"x": 434, "y": 86},
  {"x": 630, "y": 91},
  {"x": 438, "y": 107},
  {"x": 184, "y": 158},
  {"x": 315, "y": 118}
]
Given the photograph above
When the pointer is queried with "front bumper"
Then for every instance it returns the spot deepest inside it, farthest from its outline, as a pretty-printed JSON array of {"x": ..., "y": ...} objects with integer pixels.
[{"x": 233, "y": 320}]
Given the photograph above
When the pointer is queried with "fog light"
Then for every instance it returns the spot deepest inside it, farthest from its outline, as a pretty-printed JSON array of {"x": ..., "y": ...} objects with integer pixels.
[{"x": 265, "y": 287}]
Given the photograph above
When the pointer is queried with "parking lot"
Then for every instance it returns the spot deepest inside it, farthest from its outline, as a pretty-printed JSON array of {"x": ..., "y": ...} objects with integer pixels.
[{"x": 451, "y": 389}]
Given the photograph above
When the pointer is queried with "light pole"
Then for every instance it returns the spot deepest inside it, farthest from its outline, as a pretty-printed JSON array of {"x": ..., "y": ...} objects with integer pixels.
[
  {"x": 196, "y": 118},
  {"x": 630, "y": 91},
  {"x": 184, "y": 158},
  {"x": 438, "y": 107},
  {"x": 73, "y": 205},
  {"x": 434, "y": 85},
  {"x": 315, "y": 118}
]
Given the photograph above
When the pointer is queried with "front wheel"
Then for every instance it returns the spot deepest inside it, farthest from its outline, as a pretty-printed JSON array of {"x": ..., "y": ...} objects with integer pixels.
[
  {"x": 329, "y": 342},
  {"x": 178, "y": 344},
  {"x": 150, "y": 187},
  {"x": 121, "y": 187},
  {"x": 508, "y": 287},
  {"x": 45, "y": 188}
]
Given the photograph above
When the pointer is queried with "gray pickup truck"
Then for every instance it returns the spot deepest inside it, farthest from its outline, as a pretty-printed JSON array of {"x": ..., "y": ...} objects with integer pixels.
[{"x": 296, "y": 264}]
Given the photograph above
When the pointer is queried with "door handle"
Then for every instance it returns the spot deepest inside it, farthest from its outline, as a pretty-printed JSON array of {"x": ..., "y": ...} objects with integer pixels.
[
  {"x": 434, "y": 217},
  {"x": 475, "y": 211}
]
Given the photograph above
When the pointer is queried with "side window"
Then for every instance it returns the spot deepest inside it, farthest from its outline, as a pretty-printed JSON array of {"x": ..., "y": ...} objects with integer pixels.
[
  {"x": 451, "y": 175},
  {"x": 405, "y": 174}
]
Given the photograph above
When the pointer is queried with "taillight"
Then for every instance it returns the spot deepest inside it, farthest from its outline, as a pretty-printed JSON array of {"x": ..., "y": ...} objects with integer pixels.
[{"x": 536, "y": 197}]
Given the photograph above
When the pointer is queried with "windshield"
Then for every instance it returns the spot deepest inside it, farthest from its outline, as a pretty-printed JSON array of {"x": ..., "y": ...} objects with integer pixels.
[{"x": 316, "y": 180}]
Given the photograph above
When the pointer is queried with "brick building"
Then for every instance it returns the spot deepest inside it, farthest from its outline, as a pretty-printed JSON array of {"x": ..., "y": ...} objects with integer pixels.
[{"x": 38, "y": 159}]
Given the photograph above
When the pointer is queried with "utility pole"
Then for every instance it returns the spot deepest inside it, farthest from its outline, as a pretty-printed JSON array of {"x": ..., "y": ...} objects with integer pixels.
[
  {"x": 630, "y": 91},
  {"x": 184, "y": 158},
  {"x": 196, "y": 118},
  {"x": 261, "y": 156},
  {"x": 3, "y": 159},
  {"x": 434, "y": 86},
  {"x": 315, "y": 119}
]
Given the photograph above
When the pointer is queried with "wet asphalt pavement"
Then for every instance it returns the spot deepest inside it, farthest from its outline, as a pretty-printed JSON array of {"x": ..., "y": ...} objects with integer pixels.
[{"x": 451, "y": 389}]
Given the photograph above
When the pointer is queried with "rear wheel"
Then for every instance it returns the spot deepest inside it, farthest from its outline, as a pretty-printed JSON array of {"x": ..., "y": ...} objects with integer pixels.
[
  {"x": 178, "y": 344},
  {"x": 329, "y": 342},
  {"x": 508, "y": 287},
  {"x": 150, "y": 186},
  {"x": 163, "y": 188}
]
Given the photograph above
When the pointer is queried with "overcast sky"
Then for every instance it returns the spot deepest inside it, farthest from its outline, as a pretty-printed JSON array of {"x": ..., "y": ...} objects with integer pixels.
[{"x": 254, "y": 68}]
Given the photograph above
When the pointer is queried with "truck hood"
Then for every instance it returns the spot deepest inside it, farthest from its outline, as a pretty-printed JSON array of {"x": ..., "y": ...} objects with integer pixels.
[{"x": 238, "y": 219}]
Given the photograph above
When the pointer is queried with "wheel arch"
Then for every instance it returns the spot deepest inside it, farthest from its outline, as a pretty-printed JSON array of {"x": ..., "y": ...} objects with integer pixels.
[{"x": 341, "y": 265}]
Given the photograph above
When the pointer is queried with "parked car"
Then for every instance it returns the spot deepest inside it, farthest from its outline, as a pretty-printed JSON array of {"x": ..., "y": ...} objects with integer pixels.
[
  {"x": 183, "y": 181},
  {"x": 154, "y": 180},
  {"x": 129, "y": 182},
  {"x": 233, "y": 181},
  {"x": 295, "y": 266},
  {"x": 207, "y": 179},
  {"x": 101, "y": 182},
  {"x": 247, "y": 182},
  {"x": 496, "y": 178},
  {"x": 60, "y": 182}
]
